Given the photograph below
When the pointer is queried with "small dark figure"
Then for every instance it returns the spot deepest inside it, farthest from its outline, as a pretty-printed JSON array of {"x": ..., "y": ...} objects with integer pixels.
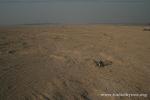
[
  {"x": 102, "y": 63},
  {"x": 11, "y": 51}
]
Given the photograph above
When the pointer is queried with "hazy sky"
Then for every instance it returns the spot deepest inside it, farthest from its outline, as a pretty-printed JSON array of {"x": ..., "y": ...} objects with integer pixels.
[{"x": 74, "y": 11}]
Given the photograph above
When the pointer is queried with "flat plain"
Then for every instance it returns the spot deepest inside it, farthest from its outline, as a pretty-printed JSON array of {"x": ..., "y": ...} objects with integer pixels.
[{"x": 56, "y": 62}]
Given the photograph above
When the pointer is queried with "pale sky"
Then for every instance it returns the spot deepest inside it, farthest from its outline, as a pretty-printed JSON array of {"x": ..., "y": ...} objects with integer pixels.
[{"x": 74, "y": 11}]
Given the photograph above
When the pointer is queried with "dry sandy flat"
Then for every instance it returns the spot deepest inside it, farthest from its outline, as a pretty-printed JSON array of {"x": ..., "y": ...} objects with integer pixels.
[{"x": 56, "y": 62}]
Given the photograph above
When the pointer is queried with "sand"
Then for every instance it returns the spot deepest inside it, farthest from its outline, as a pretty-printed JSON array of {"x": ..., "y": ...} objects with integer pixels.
[{"x": 55, "y": 62}]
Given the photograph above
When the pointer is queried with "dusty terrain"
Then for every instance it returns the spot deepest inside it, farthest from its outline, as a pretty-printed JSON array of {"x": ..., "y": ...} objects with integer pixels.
[{"x": 56, "y": 62}]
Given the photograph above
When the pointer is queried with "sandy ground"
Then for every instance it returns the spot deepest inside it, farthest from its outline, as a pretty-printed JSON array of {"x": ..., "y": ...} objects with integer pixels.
[{"x": 56, "y": 62}]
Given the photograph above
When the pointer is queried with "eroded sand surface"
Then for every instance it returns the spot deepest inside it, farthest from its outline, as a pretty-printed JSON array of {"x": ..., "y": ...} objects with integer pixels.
[{"x": 56, "y": 62}]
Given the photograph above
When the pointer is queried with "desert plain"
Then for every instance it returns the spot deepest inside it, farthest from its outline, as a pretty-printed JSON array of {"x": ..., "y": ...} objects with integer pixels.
[{"x": 56, "y": 62}]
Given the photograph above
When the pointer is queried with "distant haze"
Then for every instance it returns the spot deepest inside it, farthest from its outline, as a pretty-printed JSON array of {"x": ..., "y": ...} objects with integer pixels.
[{"x": 74, "y": 11}]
